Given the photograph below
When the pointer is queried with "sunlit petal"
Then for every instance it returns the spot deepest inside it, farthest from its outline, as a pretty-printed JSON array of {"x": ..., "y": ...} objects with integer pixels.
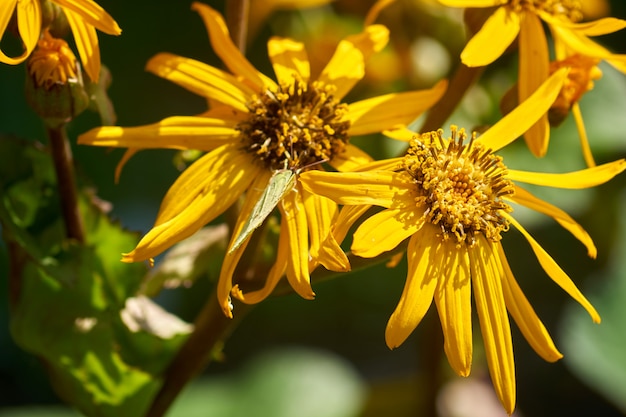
[
  {"x": 379, "y": 188},
  {"x": 493, "y": 318},
  {"x": 598, "y": 27},
  {"x": 585, "y": 178},
  {"x": 201, "y": 79},
  {"x": 227, "y": 51},
  {"x": 28, "y": 24},
  {"x": 519, "y": 120},
  {"x": 525, "y": 198},
  {"x": 533, "y": 72},
  {"x": 384, "y": 231},
  {"x": 294, "y": 223},
  {"x": 384, "y": 112},
  {"x": 524, "y": 315},
  {"x": 453, "y": 300},
  {"x": 86, "y": 40},
  {"x": 179, "y": 132},
  {"x": 498, "y": 32},
  {"x": 472, "y": 3},
  {"x": 92, "y": 14},
  {"x": 348, "y": 216},
  {"x": 424, "y": 271},
  {"x": 555, "y": 272},
  {"x": 351, "y": 159},
  {"x": 289, "y": 60}
]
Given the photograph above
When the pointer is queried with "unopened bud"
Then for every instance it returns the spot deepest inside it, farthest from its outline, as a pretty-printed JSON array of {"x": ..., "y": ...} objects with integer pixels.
[{"x": 54, "y": 85}]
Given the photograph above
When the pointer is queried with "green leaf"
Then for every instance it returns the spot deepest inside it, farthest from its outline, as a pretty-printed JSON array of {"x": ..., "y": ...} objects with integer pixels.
[
  {"x": 596, "y": 352},
  {"x": 71, "y": 301}
]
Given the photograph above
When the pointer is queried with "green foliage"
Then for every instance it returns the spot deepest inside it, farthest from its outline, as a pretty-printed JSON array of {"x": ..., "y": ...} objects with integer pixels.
[{"x": 70, "y": 301}]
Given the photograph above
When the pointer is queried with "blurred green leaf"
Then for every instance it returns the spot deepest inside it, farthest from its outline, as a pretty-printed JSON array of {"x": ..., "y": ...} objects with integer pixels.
[
  {"x": 69, "y": 298},
  {"x": 596, "y": 352},
  {"x": 281, "y": 383}
]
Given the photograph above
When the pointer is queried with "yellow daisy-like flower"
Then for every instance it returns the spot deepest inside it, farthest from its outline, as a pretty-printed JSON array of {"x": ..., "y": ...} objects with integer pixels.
[
  {"x": 257, "y": 127},
  {"x": 450, "y": 197},
  {"x": 524, "y": 18},
  {"x": 83, "y": 16}
]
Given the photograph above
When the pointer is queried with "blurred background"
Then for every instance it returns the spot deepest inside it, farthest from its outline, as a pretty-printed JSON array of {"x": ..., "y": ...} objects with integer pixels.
[{"x": 292, "y": 357}]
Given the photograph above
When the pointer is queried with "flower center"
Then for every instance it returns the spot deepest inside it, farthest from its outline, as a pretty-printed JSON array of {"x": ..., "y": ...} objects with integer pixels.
[
  {"x": 568, "y": 9},
  {"x": 297, "y": 125},
  {"x": 583, "y": 72},
  {"x": 461, "y": 185},
  {"x": 52, "y": 62}
]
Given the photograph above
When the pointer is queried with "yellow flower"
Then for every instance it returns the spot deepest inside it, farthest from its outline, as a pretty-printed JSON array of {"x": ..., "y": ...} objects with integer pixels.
[
  {"x": 450, "y": 197},
  {"x": 256, "y": 128},
  {"x": 524, "y": 18},
  {"x": 84, "y": 17}
]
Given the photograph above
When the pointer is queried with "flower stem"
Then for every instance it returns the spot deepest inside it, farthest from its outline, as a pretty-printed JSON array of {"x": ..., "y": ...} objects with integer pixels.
[
  {"x": 211, "y": 327},
  {"x": 237, "y": 12},
  {"x": 463, "y": 79},
  {"x": 66, "y": 181}
]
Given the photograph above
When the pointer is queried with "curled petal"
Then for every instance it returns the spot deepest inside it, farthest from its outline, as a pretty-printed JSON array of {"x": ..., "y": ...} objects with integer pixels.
[
  {"x": 92, "y": 14},
  {"x": 585, "y": 178},
  {"x": 524, "y": 315},
  {"x": 555, "y": 272},
  {"x": 28, "y": 24}
]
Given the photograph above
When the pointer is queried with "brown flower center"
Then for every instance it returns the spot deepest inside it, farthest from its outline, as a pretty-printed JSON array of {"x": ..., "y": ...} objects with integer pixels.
[
  {"x": 297, "y": 125},
  {"x": 568, "y": 9},
  {"x": 461, "y": 185}
]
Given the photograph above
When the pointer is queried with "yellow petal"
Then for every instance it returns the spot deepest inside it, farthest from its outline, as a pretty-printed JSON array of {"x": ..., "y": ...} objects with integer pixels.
[
  {"x": 92, "y": 14},
  {"x": 555, "y": 272},
  {"x": 533, "y": 72},
  {"x": 28, "y": 24},
  {"x": 348, "y": 216},
  {"x": 402, "y": 133},
  {"x": 274, "y": 276},
  {"x": 498, "y": 32},
  {"x": 493, "y": 318},
  {"x": 321, "y": 212},
  {"x": 585, "y": 178},
  {"x": 289, "y": 60},
  {"x": 381, "y": 188},
  {"x": 387, "y": 111},
  {"x": 86, "y": 40},
  {"x": 526, "y": 199},
  {"x": 178, "y": 132},
  {"x": 201, "y": 79},
  {"x": 347, "y": 65},
  {"x": 228, "y": 52},
  {"x": 598, "y": 27},
  {"x": 424, "y": 270},
  {"x": 207, "y": 181},
  {"x": 294, "y": 224},
  {"x": 127, "y": 155},
  {"x": 385, "y": 230},
  {"x": 350, "y": 159},
  {"x": 453, "y": 300},
  {"x": 524, "y": 315},
  {"x": 519, "y": 120},
  {"x": 582, "y": 134}
]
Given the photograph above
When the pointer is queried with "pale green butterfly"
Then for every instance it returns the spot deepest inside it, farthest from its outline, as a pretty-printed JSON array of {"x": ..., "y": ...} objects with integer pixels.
[{"x": 281, "y": 182}]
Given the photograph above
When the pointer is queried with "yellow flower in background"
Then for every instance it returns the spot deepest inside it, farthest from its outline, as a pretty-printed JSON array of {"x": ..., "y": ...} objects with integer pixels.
[
  {"x": 524, "y": 18},
  {"x": 83, "y": 16},
  {"x": 451, "y": 198},
  {"x": 256, "y": 128},
  {"x": 583, "y": 71}
]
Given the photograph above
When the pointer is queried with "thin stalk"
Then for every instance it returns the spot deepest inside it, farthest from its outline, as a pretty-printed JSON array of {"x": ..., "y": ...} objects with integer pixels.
[
  {"x": 237, "y": 12},
  {"x": 211, "y": 326},
  {"x": 66, "y": 181},
  {"x": 463, "y": 79}
]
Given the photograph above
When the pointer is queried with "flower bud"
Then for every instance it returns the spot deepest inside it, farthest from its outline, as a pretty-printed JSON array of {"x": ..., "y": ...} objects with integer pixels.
[{"x": 54, "y": 84}]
